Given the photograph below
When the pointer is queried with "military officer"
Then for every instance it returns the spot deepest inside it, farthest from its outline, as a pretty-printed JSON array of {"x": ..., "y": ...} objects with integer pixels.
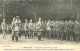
[
  {"x": 34, "y": 29},
  {"x": 54, "y": 30},
  {"x": 71, "y": 28},
  {"x": 18, "y": 22},
  {"x": 66, "y": 30},
  {"x": 49, "y": 29},
  {"x": 12, "y": 27},
  {"x": 26, "y": 27},
  {"x": 76, "y": 31},
  {"x": 17, "y": 28},
  {"x": 57, "y": 29},
  {"x": 39, "y": 29},
  {"x": 43, "y": 29},
  {"x": 30, "y": 35},
  {"x": 61, "y": 29},
  {"x": 3, "y": 26}
]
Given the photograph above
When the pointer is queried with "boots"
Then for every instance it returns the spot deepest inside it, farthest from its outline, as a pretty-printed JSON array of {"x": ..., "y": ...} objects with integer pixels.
[
  {"x": 12, "y": 38},
  {"x": 16, "y": 38}
]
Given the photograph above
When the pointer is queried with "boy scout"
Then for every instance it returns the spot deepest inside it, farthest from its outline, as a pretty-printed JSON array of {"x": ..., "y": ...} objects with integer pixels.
[{"x": 3, "y": 26}]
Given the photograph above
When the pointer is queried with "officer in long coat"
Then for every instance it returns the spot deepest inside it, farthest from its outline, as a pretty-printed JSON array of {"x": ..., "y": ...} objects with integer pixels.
[
  {"x": 57, "y": 29},
  {"x": 66, "y": 30},
  {"x": 61, "y": 29},
  {"x": 39, "y": 29},
  {"x": 4, "y": 28},
  {"x": 12, "y": 28},
  {"x": 30, "y": 35},
  {"x": 18, "y": 22},
  {"x": 76, "y": 31},
  {"x": 54, "y": 30},
  {"x": 49, "y": 29},
  {"x": 34, "y": 30},
  {"x": 71, "y": 28},
  {"x": 43, "y": 29},
  {"x": 26, "y": 27},
  {"x": 17, "y": 28}
]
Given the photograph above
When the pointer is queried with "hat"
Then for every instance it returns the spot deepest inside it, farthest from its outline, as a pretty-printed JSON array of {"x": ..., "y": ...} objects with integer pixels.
[
  {"x": 39, "y": 18},
  {"x": 31, "y": 20},
  {"x": 17, "y": 16}
]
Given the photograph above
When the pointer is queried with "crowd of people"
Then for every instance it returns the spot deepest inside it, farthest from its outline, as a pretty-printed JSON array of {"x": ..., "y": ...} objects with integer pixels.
[{"x": 60, "y": 30}]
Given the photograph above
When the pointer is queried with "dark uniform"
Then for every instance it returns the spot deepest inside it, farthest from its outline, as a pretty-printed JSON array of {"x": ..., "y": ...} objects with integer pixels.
[
  {"x": 71, "y": 28},
  {"x": 4, "y": 28},
  {"x": 39, "y": 29},
  {"x": 76, "y": 31},
  {"x": 66, "y": 31},
  {"x": 61, "y": 29},
  {"x": 30, "y": 34},
  {"x": 43, "y": 29},
  {"x": 54, "y": 30},
  {"x": 13, "y": 28},
  {"x": 57, "y": 30},
  {"x": 49, "y": 29},
  {"x": 26, "y": 29}
]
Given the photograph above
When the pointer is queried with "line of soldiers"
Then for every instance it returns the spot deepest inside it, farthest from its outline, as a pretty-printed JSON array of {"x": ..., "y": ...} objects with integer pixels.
[
  {"x": 60, "y": 30},
  {"x": 18, "y": 28}
]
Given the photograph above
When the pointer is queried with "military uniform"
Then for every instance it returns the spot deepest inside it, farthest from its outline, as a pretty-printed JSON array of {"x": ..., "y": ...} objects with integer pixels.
[
  {"x": 61, "y": 29},
  {"x": 13, "y": 27},
  {"x": 4, "y": 28},
  {"x": 30, "y": 35},
  {"x": 54, "y": 30},
  {"x": 26, "y": 28},
  {"x": 71, "y": 28},
  {"x": 17, "y": 28},
  {"x": 49, "y": 29},
  {"x": 39, "y": 29},
  {"x": 66, "y": 30},
  {"x": 57, "y": 30},
  {"x": 76, "y": 31},
  {"x": 34, "y": 30}
]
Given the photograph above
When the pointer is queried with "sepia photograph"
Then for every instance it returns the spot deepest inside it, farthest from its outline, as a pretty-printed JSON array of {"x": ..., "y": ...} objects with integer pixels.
[{"x": 39, "y": 25}]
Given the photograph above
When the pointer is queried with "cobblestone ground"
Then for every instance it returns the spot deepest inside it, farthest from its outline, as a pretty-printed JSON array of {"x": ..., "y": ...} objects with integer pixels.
[{"x": 45, "y": 41}]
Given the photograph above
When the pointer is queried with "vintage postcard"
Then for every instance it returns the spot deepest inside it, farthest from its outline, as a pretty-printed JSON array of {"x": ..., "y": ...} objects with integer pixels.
[{"x": 39, "y": 25}]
